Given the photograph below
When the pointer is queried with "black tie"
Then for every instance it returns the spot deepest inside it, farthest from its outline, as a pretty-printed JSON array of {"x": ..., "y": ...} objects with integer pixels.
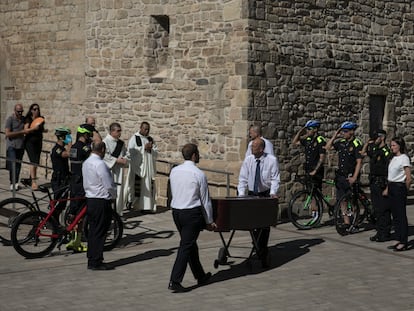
[{"x": 257, "y": 178}]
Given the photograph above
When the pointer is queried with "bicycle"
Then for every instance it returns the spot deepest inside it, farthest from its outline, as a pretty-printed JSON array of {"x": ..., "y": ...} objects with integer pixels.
[
  {"x": 306, "y": 207},
  {"x": 11, "y": 208},
  {"x": 356, "y": 206},
  {"x": 35, "y": 234}
]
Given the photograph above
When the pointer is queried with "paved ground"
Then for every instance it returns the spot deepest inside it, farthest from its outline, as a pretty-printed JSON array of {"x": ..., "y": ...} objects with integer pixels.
[{"x": 310, "y": 270}]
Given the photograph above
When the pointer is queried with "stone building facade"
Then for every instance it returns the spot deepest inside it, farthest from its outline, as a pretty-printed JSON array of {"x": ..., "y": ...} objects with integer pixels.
[{"x": 204, "y": 70}]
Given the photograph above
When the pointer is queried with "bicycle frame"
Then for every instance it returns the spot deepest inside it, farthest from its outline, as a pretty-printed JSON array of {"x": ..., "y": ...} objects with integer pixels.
[{"x": 70, "y": 227}]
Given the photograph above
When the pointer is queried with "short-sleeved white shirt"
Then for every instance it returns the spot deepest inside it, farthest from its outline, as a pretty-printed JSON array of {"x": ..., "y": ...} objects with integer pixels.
[{"x": 396, "y": 167}]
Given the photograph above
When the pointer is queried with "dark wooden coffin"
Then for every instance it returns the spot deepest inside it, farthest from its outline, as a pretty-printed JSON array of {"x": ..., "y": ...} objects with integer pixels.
[{"x": 244, "y": 213}]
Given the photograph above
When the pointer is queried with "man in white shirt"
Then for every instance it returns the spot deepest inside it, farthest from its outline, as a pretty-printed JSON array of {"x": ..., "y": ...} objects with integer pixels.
[
  {"x": 255, "y": 131},
  {"x": 192, "y": 212},
  {"x": 99, "y": 190},
  {"x": 115, "y": 158},
  {"x": 259, "y": 176}
]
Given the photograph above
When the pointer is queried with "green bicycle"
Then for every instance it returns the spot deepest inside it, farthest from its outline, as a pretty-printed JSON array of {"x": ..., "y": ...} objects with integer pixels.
[
  {"x": 306, "y": 206},
  {"x": 352, "y": 209}
]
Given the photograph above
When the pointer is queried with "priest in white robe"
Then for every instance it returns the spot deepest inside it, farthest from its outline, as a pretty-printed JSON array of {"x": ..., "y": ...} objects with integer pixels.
[
  {"x": 116, "y": 159},
  {"x": 143, "y": 152}
]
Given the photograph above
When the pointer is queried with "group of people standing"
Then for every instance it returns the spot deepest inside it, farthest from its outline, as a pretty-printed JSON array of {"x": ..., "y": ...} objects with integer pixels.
[
  {"x": 24, "y": 132},
  {"x": 390, "y": 174}
]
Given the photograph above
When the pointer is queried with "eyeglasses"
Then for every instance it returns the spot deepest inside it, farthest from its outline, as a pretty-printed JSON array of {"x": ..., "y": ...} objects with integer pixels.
[
  {"x": 310, "y": 128},
  {"x": 344, "y": 131},
  {"x": 35, "y": 109}
]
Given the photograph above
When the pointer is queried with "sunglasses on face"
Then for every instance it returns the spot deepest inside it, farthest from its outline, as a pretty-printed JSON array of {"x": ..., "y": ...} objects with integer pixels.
[{"x": 35, "y": 109}]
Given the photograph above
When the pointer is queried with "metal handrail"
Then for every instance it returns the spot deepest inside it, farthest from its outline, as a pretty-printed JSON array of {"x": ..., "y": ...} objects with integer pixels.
[{"x": 228, "y": 174}]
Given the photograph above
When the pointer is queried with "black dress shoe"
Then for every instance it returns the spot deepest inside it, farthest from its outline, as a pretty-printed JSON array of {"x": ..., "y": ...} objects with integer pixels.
[
  {"x": 392, "y": 246},
  {"x": 204, "y": 280},
  {"x": 400, "y": 247},
  {"x": 101, "y": 267},
  {"x": 378, "y": 238},
  {"x": 177, "y": 288},
  {"x": 373, "y": 238}
]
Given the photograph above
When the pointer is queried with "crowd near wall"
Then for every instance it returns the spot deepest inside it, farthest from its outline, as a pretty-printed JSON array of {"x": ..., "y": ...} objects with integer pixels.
[{"x": 203, "y": 71}]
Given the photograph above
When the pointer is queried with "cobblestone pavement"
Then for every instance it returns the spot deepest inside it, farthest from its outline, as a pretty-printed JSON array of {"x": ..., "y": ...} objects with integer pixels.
[{"x": 310, "y": 270}]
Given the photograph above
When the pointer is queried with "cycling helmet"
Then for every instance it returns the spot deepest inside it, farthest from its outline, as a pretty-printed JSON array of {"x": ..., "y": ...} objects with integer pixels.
[
  {"x": 85, "y": 129},
  {"x": 62, "y": 131},
  {"x": 349, "y": 125},
  {"x": 313, "y": 123}
]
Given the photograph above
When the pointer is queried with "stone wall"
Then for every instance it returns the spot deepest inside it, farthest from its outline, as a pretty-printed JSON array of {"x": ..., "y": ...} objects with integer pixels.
[
  {"x": 324, "y": 59},
  {"x": 203, "y": 71}
]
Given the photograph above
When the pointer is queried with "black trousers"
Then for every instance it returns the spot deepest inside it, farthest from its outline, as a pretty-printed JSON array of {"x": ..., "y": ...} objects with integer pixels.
[
  {"x": 189, "y": 223},
  {"x": 382, "y": 211},
  {"x": 76, "y": 191},
  {"x": 14, "y": 154},
  {"x": 262, "y": 235},
  {"x": 397, "y": 194},
  {"x": 99, "y": 214}
]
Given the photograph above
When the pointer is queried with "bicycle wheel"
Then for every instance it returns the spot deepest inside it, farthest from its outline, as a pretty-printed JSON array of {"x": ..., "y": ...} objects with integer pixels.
[
  {"x": 114, "y": 234},
  {"x": 365, "y": 210},
  {"x": 347, "y": 214},
  {"x": 10, "y": 209},
  {"x": 301, "y": 212},
  {"x": 27, "y": 242}
]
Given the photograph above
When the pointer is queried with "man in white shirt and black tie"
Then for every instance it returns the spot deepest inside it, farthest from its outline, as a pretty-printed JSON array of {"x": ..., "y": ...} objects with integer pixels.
[
  {"x": 100, "y": 190},
  {"x": 192, "y": 212},
  {"x": 259, "y": 176}
]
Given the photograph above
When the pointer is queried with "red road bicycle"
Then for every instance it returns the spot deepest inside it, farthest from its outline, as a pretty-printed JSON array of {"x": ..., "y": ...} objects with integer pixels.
[{"x": 35, "y": 234}]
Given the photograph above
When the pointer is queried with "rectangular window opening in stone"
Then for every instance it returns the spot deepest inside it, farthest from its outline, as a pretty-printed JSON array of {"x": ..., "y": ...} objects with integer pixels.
[
  {"x": 158, "y": 56},
  {"x": 376, "y": 112}
]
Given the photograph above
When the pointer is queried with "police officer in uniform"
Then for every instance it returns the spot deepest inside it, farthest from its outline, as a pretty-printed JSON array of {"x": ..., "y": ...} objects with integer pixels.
[
  {"x": 60, "y": 164},
  {"x": 379, "y": 154},
  {"x": 315, "y": 153},
  {"x": 79, "y": 152},
  {"x": 349, "y": 160}
]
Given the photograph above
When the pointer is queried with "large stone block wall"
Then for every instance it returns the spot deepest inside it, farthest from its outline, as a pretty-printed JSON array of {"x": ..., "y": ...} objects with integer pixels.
[
  {"x": 203, "y": 71},
  {"x": 199, "y": 93}
]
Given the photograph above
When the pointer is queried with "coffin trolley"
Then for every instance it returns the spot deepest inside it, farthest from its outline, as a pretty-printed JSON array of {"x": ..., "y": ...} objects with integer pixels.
[{"x": 248, "y": 213}]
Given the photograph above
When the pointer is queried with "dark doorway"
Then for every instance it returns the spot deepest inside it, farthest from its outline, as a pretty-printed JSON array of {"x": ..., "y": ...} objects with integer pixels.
[{"x": 376, "y": 112}]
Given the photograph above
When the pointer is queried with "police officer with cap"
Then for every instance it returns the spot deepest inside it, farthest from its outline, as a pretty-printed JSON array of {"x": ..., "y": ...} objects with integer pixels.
[
  {"x": 315, "y": 153},
  {"x": 349, "y": 160},
  {"x": 60, "y": 163},
  {"x": 380, "y": 155},
  {"x": 79, "y": 152}
]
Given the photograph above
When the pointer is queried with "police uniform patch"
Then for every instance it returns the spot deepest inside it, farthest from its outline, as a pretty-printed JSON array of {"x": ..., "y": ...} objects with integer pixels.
[{"x": 58, "y": 151}]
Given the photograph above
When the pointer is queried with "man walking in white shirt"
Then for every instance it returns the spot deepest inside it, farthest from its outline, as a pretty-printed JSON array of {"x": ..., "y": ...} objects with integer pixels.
[{"x": 192, "y": 212}]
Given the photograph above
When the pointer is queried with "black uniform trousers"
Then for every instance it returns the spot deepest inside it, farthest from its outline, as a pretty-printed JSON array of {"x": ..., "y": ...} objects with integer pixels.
[
  {"x": 397, "y": 196},
  {"x": 262, "y": 235},
  {"x": 99, "y": 213},
  {"x": 189, "y": 223},
  {"x": 382, "y": 211}
]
